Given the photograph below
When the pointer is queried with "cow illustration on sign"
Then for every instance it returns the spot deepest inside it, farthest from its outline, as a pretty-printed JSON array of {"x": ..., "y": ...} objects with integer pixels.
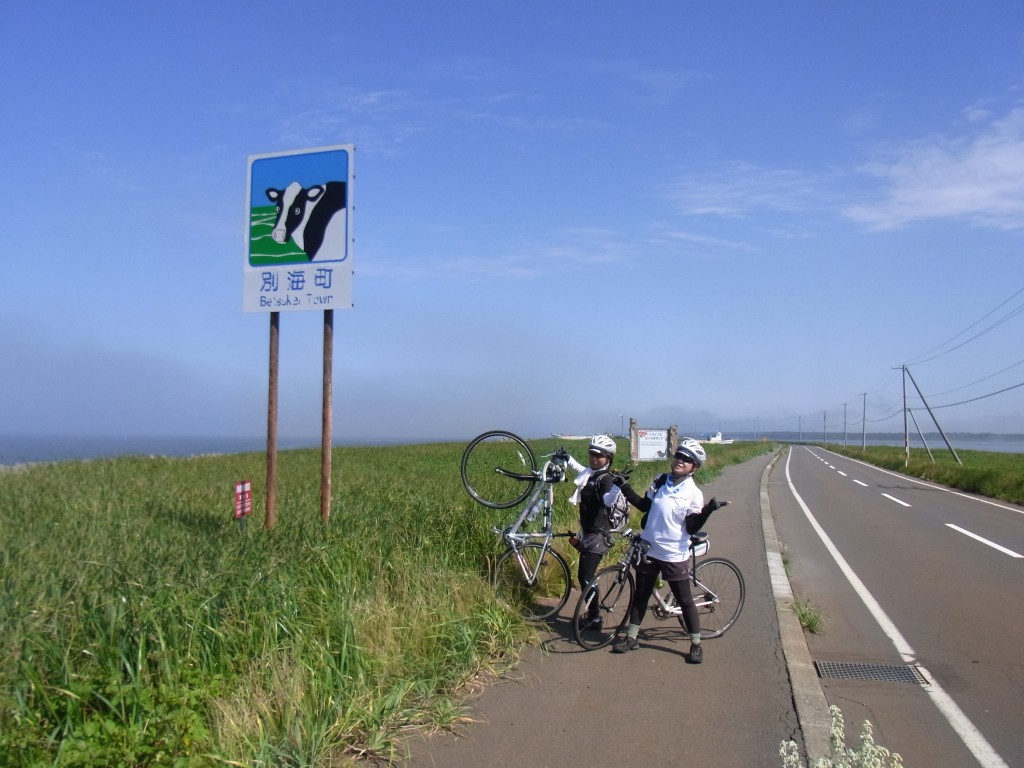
[{"x": 312, "y": 217}]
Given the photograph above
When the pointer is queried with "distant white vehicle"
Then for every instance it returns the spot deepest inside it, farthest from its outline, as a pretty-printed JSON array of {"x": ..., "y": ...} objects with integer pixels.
[{"x": 717, "y": 439}]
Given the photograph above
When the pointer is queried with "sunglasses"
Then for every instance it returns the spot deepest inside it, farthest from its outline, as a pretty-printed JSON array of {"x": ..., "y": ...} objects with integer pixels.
[{"x": 683, "y": 457}]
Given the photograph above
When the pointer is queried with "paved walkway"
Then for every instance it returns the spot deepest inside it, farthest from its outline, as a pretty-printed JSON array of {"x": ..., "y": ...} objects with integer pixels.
[{"x": 567, "y": 708}]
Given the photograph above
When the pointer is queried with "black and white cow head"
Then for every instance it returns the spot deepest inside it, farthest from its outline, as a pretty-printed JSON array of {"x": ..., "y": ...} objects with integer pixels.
[{"x": 308, "y": 215}]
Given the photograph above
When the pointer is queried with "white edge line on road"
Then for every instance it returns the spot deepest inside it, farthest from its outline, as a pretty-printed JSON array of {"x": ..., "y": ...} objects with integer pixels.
[
  {"x": 893, "y": 498},
  {"x": 935, "y": 487},
  {"x": 964, "y": 728},
  {"x": 976, "y": 537}
]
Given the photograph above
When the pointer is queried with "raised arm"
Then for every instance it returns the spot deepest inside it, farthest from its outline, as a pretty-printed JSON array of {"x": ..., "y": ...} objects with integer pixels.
[
  {"x": 695, "y": 522},
  {"x": 643, "y": 503}
]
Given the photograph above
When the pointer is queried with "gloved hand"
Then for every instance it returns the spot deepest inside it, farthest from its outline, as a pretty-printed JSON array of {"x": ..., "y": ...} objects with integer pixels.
[
  {"x": 620, "y": 478},
  {"x": 714, "y": 504}
]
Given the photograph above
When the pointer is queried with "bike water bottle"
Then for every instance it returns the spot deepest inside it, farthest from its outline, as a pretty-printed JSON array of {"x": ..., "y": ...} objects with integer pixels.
[{"x": 534, "y": 511}]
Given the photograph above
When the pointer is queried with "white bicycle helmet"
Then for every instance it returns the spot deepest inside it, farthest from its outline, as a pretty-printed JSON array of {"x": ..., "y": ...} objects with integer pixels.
[
  {"x": 602, "y": 444},
  {"x": 692, "y": 450}
]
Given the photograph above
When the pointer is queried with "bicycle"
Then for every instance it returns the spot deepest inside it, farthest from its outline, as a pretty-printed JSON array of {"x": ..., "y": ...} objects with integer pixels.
[
  {"x": 500, "y": 471},
  {"x": 717, "y": 585}
]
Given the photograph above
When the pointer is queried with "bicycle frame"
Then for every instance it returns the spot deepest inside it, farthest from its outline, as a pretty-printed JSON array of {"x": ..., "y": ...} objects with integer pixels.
[
  {"x": 515, "y": 538},
  {"x": 663, "y": 610},
  {"x": 543, "y": 496}
]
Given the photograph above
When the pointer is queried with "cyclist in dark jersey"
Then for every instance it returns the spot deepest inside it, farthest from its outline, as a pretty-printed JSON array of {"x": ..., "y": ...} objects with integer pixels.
[{"x": 595, "y": 493}]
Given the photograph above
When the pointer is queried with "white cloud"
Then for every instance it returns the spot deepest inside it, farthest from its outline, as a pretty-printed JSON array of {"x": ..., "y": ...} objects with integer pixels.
[
  {"x": 978, "y": 177},
  {"x": 717, "y": 242},
  {"x": 744, "y": 188}
]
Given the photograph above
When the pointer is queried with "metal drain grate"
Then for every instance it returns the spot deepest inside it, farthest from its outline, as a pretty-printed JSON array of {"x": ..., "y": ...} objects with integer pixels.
[{"x": 889, "y": 673}]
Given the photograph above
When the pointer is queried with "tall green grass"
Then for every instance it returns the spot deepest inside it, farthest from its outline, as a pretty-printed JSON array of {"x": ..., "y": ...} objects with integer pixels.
[{"x": 139, "y": 626}]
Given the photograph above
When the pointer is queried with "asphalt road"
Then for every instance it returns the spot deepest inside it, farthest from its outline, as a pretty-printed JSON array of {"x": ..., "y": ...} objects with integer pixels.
[
  {"x": 944, "y": 602},
  {"x": 569, "y": 708},
  {"x": 923, "y": 638}
]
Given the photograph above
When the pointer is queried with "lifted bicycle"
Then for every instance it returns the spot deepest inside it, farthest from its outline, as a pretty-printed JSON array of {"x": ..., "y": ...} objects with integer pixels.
[{"x": 500, "y": 471}]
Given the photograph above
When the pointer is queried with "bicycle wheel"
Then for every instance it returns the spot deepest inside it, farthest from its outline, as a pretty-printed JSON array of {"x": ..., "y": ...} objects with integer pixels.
[
  {"x": 487, "y": 463},
  {"x": 719, "y": 593},
  {"x": 532, "y": 579},
  {"x": 612, "y": 591}
]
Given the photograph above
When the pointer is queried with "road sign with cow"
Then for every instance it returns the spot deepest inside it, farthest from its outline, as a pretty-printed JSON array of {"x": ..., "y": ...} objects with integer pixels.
[{"x": 299, "y": 234}]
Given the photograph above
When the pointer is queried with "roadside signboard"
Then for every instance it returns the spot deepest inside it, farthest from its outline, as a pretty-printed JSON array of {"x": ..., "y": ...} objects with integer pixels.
[
  {"x": 298, "y": 253},
  {"x": 651, "y": 444}
]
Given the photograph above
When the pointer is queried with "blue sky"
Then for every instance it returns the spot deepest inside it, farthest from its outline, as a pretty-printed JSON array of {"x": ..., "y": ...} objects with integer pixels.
[{"x": 712, "y": 215}]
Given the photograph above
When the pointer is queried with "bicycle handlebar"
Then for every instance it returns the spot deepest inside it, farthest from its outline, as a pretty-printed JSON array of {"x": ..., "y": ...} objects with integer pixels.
[{"x": 551, "y": 472}]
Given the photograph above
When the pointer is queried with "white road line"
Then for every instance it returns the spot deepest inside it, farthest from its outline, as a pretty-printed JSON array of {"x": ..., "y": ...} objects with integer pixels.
[
  {"x": 935, "y": 487},
  {"x": 858, "y": 482},
  {"x": 893, "y": 498},
  {"x": 976, "y": 537},
  {"x": 842, "y": 473},
  {"x": 962, "y": 726}
]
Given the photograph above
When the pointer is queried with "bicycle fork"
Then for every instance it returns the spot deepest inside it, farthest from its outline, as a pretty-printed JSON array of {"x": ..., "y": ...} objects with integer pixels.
[{"x": 531, "y": 574}]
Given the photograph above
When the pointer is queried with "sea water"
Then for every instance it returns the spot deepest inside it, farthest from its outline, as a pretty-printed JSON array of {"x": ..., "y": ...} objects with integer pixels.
[{"x": 23, "y": 449}]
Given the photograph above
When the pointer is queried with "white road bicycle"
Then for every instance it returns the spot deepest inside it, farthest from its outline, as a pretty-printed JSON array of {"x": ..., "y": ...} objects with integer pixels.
[
  {"x": 500, "y": 471},
  {"x": 716, "y": 583}
]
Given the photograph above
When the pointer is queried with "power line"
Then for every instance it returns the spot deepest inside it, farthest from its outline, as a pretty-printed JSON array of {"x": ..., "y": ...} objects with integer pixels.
[
  {"x": 981, "y": 397},
  {"x": 1013, "y": 313},
  {"x": 978, "y": 381},
  {"x": 895, "y": 413},
  {"x": 885, "y": 382}
]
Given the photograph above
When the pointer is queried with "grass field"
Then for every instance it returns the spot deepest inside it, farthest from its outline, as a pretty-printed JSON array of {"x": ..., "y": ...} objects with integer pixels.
[{"x": 139, "y": 626}]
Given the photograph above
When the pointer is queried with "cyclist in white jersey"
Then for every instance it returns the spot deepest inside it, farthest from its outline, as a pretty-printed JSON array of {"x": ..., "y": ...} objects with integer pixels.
[{"x": 674, "y": 508}]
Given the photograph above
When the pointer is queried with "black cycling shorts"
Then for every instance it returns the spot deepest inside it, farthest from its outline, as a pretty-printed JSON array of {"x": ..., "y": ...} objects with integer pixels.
[{"x": 668, "y": 571}]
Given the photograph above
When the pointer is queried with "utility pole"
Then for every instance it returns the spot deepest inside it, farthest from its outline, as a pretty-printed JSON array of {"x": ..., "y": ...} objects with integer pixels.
[
  {"x": 934, "y": 420},
  {"x": 824, "y": 426},
  {"x": 906, "y": 432},
  {"x": 864, "y": 423},
  {"x": 921, "y": 435},
  {"x": 846, "y": 434}
]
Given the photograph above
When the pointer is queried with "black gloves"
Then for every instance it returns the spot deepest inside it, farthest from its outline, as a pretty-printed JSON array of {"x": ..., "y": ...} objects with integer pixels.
[
  {"x": 620, "y": 478},
  {"x": 714, "y": 504}
]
